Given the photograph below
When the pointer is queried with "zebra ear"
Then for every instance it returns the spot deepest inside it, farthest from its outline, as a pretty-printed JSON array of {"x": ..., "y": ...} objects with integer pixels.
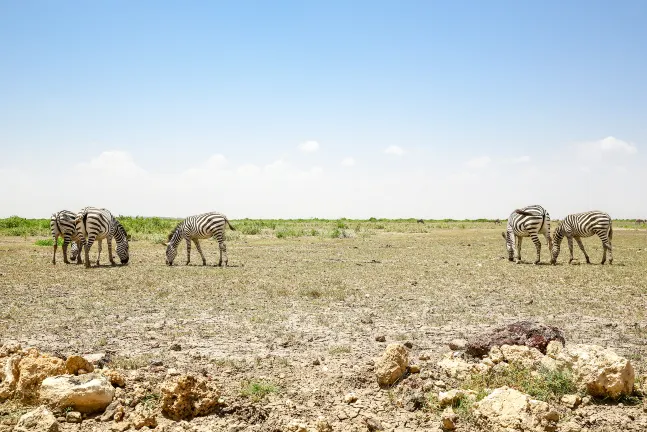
[{"x": 503, "y": 235}]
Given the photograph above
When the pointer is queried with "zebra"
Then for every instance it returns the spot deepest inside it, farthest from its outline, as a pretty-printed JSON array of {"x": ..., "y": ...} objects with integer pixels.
[
  {"x": 62, "y": 224},
  {"x": 198, "y": 227},
  {"x": 576, "y": 226},
  {"x": 420, "y": 221},
  {"x": 96, "y": 224},
  {"x": 527, "y": 222},
  {"x": 497, "y": 221},
  {"x": 641, "y": 221}
]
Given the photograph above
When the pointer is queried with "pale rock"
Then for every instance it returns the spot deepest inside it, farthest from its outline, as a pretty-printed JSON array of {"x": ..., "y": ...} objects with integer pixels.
[
  {"x": 10, "y": 347},
  {"x": 350, "y": 398},
  {"x": 9, "y": 376},
  {"x": 392, "y": 364},
  {"x": 414, "y": 369},
  {"x": 120, "y": 426},
  {"x": 554, "y": 348},
  {"x": 187, "y": 396},
  {"x": 75, "y": 363},
  {"x": 85, "y": 393},
  {"x": 73, "y": 417},
  {"x": 296, "y": 426},
  {"x": 488, "y": 362},
  {"x": 506, "y": 409},
  {"x": 33, "y": 369},
  {"x": 457, "y": 344},
  {"x": 424, "y": 356},
  {"x": 600, "y": 371},
  {"x": 456, "y": 367},
  {"x": 571, "y": 401},
  {"x": 452, "y": 396},
  {"x": 39, "y": 420},
  {"x": 448, "y": 419},
  {"x": 110, "y": 411},
  {"x": 570, "y": 426},
  {"x": 115, "y": 378},
  {"x": 322, "y": 425},
  {"x": 142, "y": 417},
  {"x": 496, "y": 355},
  {"x": 522, "y": 355}
]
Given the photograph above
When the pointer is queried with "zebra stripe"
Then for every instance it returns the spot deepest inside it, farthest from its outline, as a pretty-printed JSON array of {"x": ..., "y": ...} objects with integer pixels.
[
  {"x": 198, "y": 227},
  {"x": 576, "y": 226},
  {"x": 98, "y": 224},
  {"x": 527, "y": 222},
  {"x": 62, "y": 224}
]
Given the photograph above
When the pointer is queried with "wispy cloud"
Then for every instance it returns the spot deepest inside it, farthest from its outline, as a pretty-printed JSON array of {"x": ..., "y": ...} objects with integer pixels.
[
  {"x": 517, "y": 160},
  {"x": 348, "y": 162},
  {"x": 479, "y": 162},
  {"x": 309, "y": 146},
  {"x": 609, "y": 145},
  {"x": 394, "y": 150}
]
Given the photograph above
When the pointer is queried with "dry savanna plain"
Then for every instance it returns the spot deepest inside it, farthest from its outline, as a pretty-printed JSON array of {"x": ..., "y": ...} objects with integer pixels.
[{"x": 287, "y": 332}]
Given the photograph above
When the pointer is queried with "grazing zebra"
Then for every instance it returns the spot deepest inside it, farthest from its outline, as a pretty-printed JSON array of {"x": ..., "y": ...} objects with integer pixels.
[
  {"x": 527, "y": 222},
  {"x": 497, "y": 221},
  {"x": 63, "y": 225},
  {"x": 576, "y": 226},
  {"x": 96, "y": 224},
  {"x": 198, "y": 227},
  {"x": 421, "y": 221},
  {"x": 641, "y": 221}
]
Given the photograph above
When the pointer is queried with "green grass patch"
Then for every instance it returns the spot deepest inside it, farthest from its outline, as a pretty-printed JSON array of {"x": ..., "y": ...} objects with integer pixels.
[
  {"x": 258, "y": 389},
  {"x": 48, "y": 242}
]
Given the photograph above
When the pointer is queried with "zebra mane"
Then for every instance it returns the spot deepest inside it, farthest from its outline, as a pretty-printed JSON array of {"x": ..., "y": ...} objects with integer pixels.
[{"x": 177, "y": 227}]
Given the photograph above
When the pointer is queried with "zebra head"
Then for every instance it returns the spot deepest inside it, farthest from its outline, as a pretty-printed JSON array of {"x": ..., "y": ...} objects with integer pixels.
[
  {"x": 74, "y": 252},
  {"x": 171, "y": 247},
  {"x": 557, "y": 242},
  {"x": 122, "y": 243}
]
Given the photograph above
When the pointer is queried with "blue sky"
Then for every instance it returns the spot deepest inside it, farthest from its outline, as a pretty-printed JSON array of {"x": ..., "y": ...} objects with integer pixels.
[{"x": 486, "y": 106}]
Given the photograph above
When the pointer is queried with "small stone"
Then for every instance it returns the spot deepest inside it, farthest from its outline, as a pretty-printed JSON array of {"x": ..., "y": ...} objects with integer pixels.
[
  {"x": 73, "y": 417},
  {"x": 414, "y": 369},
  {"x": 457, "y": 344},
  {"x": 373, "y": 424},
  {"x": 172, "y": 372},
  {"x": 175, "y": 347},
  {"x": 120, "y": 427},
  {"x": 440, "y": 384},
  {"x": 448, "y": 419},
  {"x": 586, "y": 400},
  {"x": 323, "y": 425},
  {"x": 41, "y": 419},
  {"x": 156, "y": 362},
  {"x": 75, "y": 363},
  {"x": 408, "y": 344},
  {"x": 316, "y": 362},
  {"x": 571, "y": 401},
  {"x": 109, "y": 413},
  {"x": 424, "y": 356},
  {"x": 350, "y": 398},
  {"x": 380, "y": 338}
]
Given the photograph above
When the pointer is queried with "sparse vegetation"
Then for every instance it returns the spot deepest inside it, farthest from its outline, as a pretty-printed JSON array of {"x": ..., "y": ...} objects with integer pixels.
[{"x": 258, "y": 389}]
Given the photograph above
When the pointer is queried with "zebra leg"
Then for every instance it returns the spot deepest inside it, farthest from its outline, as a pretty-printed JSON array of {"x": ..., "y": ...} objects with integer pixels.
[
  {"x": 223, "y": 254},
  {"x": 112, "y": 259},
  {"x": 535, "y": 240},
  {"x": 79, "y": 248},
  {"x": 579, "y": 243},
  {"x": 518, "y": 245},
  {"x": 55, "y": 246},
  {"x": 570, "y": 248},
  {"x": 188, "y": 250},
  {"x": 66, "y": 242},
  {"x": 88, "y": 245},
  {"x": 197, "y": 246},
  {"x": 99, "y": 255},
  {"x": 608, "y": 245}
]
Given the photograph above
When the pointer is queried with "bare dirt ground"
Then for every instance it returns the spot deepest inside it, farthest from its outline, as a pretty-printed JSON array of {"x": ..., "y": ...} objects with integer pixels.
[{"x": 300, "y": 316}]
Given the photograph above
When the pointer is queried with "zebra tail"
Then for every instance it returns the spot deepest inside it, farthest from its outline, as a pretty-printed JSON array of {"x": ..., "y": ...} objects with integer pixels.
[
  {"x": 610, "y": 232},
  {"x": 85, "y": 223},
  {"x": 230, "y": 225}
]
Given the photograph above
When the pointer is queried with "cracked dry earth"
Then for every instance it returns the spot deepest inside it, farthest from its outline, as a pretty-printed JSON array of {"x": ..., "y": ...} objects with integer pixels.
[{"x": 303, "y": 315}]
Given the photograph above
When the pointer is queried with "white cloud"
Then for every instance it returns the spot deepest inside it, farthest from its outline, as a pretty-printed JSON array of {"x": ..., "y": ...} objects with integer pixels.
[
  {"x": 608, "y": 145},
  {"x": 395, "y": 150},
  {"x": 518, "y": 160},
  {"x": 309, "y": 146},
  {"x": 479, "y": 162},
  {"x": 348, "y": 162}
]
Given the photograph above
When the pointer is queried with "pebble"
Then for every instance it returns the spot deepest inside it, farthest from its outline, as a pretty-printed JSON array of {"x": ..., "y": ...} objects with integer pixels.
[{"x": 380, "y": 338}]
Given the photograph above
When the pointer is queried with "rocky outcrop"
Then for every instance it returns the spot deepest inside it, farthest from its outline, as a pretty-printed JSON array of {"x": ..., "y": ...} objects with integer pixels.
[
  {"x": 39, "y": 420},
  {"x": 74, "y": 364},
  {"x": 187, "y": 396},
  {"x": 527, "y": 333},
  {"x": 599, "y": 371},
  {"x": 506, "y": 410},
  {"x": 33, "y": 369},
  {"x": 86, "y": 393}
]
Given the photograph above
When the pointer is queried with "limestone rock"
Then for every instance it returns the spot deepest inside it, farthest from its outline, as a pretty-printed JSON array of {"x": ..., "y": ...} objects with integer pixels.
[
  {"x": 39, "y": 420},
  {"x": 10, "y": 347},
  {"x": 75, "y": 363},
  {"x": 506, "y": 409},
  {"x": 323, "y": 425},
  {"x": 392, "y": 364},
  {"x": 187, "y": 396},
  {"x": 85, "y": 393},
  {"x": 526, "y": 333},
  {"x": 448, "y": 419},
  {"x": 448, "y": 398},
  {"x": 456, "y": 367},
  {"x": 571, "y": 400},
  {"x": 142, "y": 417},
  {"x": 33, "y": 369},
  {"x": 115, "y": 378},
  {"x": 522, "y": 355},
  {"x": 9, "y": 376},
  {"x": 73, "y": 417},
  {"x": 600, "y": 371},
  {"x": 110, "y": 411},
  {"x": 350, "y": 398}
]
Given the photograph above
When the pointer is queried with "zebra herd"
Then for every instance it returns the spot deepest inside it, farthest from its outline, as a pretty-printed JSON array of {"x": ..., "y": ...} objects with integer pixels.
[
  {"x": 82, "y": 229},
  {"x": 534, "y": 220}
]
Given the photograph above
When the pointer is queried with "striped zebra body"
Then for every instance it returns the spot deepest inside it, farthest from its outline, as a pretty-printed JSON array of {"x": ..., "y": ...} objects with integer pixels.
[
  {"x": 587, "y": 224},
  {"x": 98, "y": 224},
  {"x": 198, "y": 227},
  {"x": 62, "y": 224},
  {"x": 527, "y": 222}
]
